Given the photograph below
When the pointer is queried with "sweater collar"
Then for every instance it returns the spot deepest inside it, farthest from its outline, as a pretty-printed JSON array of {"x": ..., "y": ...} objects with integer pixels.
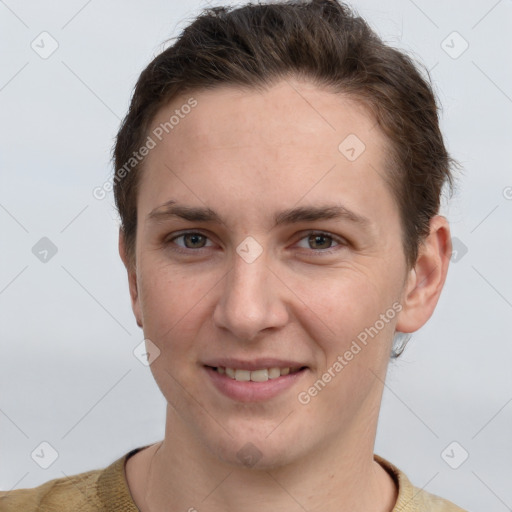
[
  {"x": 114, "y": 493},
  {"x": 113, "y": 490}
]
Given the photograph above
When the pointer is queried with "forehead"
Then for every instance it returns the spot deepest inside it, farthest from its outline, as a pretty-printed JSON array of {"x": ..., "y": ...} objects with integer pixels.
[
  {"x": 293, "y": 142},
  {"x": 288, "y": 112}
]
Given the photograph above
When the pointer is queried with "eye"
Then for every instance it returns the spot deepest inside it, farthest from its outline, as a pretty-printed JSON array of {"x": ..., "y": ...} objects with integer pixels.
[
  {"x": 321, "y": 242},
  {"x": 191, "y": 240}
]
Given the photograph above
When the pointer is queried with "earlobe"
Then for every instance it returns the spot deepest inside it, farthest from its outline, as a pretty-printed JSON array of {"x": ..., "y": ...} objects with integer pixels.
[
  {"x": 132, "y": 278},
  {"x": 426, "y": 280}
]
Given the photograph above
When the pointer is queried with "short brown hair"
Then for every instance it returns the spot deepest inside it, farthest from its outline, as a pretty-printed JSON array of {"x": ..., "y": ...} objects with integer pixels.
[{"x": 322, "y": 41}]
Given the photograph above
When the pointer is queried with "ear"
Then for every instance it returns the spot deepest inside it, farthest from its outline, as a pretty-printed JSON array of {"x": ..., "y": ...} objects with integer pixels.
[
  {"x": 132, "y": 278},
  {"x": 425, "y": 281}
]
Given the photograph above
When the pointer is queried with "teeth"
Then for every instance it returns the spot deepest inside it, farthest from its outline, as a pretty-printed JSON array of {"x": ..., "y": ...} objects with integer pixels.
[
  {"x": 273, "y": 373},
  {"x": 257, "y": 375},
  {"x": 243, "y": 375}
]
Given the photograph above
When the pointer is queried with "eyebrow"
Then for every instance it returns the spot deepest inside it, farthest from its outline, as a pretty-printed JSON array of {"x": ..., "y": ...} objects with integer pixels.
[{"x": 171, "y": 209}]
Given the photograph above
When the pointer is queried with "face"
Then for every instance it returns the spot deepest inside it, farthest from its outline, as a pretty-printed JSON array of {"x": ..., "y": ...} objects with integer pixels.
[{"x": 268, "y": 239}]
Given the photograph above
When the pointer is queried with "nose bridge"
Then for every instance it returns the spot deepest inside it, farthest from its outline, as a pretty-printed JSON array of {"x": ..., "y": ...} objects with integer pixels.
[{"x": 250, "y": 301}]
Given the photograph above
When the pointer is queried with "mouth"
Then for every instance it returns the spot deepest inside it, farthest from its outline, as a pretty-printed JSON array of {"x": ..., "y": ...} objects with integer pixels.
[{"x": 255, "y": 385}]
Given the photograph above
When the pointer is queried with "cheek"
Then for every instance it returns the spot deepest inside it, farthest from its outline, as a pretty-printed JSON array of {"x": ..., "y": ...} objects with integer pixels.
[
  {"x": 171, "y": 303},
  {"x": 174, "y": 309},
  {"x": 345, "y": 322},
  {"x": 340, "y": 305}
]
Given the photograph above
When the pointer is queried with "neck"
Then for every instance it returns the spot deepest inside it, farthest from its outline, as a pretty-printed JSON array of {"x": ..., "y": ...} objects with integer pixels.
[{"x": 338, "y": 476}]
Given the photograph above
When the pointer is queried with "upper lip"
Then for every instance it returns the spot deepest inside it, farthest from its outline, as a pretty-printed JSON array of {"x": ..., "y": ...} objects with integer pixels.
[{"x": 254, "y": 364}]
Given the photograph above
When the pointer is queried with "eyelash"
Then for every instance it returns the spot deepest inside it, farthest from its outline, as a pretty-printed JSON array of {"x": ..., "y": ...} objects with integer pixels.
[{"x": 340, "y": 241}]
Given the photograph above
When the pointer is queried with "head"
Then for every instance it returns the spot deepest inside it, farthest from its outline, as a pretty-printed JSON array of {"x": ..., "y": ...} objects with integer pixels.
[{"x": 241, "y": 140}]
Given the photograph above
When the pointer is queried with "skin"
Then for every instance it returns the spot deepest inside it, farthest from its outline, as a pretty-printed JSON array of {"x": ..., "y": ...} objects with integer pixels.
[{"x": 248, "y": 155}]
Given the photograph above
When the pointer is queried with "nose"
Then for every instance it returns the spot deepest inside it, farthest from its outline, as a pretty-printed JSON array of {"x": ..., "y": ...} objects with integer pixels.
[{"x": 252, "y": 299}]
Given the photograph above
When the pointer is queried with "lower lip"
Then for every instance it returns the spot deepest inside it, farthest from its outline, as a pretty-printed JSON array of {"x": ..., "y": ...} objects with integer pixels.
[{"x": 249, "y": 391}]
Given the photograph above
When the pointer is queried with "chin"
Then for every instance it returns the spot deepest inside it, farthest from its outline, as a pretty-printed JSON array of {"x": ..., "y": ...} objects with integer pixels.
[{"x": 257, "y": 452}]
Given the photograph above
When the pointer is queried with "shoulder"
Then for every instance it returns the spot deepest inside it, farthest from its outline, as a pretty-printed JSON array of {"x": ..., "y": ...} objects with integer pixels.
[
  {"x": 413, "y": 499},
  {"x": 96, "y": 490},
  {"x": 77, "y": 492}
]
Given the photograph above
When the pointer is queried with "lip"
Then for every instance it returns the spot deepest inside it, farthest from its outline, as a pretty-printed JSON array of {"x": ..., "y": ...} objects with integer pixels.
[
  {"x": 249, "y": 391},
  {"x": 254, "y": 364}
]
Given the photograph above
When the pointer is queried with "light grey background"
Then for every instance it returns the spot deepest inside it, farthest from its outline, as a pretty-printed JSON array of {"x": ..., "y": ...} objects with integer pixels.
[{"x": 68, "y": 375}]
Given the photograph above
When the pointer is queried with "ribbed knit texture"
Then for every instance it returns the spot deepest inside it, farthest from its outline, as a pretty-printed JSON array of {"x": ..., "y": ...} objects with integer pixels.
[{"x": 107, "y": 490}]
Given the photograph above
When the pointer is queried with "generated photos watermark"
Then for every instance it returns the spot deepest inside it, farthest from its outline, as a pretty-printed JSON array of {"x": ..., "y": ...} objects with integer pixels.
[
  {"x": 305, "y": 397},
  {"x": 158, "y": 133}
]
